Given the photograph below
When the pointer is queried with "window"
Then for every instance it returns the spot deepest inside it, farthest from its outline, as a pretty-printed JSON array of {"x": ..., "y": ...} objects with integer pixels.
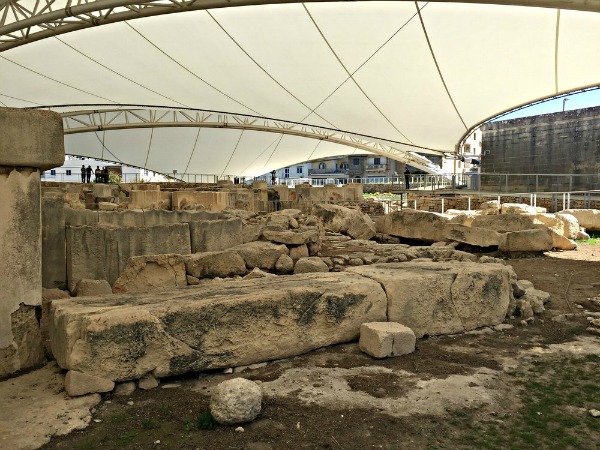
[
  {"x": 286, "y": 172},
  {"x": 356, "y": 161},
  {"x": 299, "y": 170},
  {"x": 53, "y": 172},
  {"x": 376, "y": 161},
  {"x": 322, "y": 166},
  {"x": 145, "y": 173},
  {"x": 68, "y": 171},
  {"x": 344, "y": 166}
]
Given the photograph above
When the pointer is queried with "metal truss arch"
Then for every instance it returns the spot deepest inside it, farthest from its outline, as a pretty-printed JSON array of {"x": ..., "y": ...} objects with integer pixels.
[
  {"x": 24, "y": 21},
  {"x": 119, "y": 119}
]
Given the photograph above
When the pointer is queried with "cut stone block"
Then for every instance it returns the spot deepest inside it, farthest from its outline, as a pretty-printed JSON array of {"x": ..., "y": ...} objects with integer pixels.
[
  {"x": 385, "y": 339},
  {"x": 442, "y": 298},
  {"x": 214, "y": 264},
  {"x": 31, "y": 138},
  {"x": 147, "y": 273},
  {"x": 77, "y": 383},
  {"x": 227, "y": 324},
  {"x": 537, "y": 240}
]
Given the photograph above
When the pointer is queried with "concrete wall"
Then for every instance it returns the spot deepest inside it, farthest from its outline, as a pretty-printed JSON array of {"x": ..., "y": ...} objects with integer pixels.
[{"x": 560, "y": 143}]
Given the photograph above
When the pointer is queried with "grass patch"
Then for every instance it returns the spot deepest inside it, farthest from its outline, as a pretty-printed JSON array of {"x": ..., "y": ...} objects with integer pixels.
[
  {"x": 126, "y": 438},
  {"x": 556, "y": 395},
  {"x": 118, "y": 418},
  {"x": 205, "y": 421},
  {"x": 149, "y": 424},
  {"x": 594, "y": 238}
]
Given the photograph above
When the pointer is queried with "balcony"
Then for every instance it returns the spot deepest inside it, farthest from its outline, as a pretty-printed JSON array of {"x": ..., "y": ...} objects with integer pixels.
[
  {"x": 327, "y": 171},
  {"x": 376, "y": 167}
]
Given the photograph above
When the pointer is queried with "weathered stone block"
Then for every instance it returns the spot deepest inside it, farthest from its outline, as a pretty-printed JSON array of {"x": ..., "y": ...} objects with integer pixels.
[
  {"x": 537, "y": 240},
  {"x": 215, "y": 235},
  {"x": 214, "y": 264},
  {"x": 385, "y": 339},
  {"x": 77, "y": 383},
  {"x": 480, "y": 237},
  {"x": 587, "y": 218},
  {"x": 340, "y": 219},
  {"x": 442, "y": 298},
  {"x": 310, "y": 264},
  {"x": 222, "y": 325},
  {"x": 31, "y": 138},
  {"x": 102, "y": 252},
  {"x": 260, "y": 254},
  {"x": 504, "y": 223},
  {"x": 20, "y": 250},
  {"x": 412, "y": 224},
  {"x": 150, "y": 272}
]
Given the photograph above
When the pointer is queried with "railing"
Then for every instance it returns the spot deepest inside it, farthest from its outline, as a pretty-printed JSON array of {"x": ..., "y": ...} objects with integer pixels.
[{"x": 488, "y": 182}]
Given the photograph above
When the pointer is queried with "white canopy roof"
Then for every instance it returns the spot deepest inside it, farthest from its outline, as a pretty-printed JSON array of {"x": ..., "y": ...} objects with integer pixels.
[{"x": 293, "y": 81}]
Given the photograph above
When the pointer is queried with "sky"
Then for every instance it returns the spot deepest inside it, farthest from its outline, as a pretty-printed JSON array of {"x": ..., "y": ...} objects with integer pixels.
[{"x": 574, "y": 101}]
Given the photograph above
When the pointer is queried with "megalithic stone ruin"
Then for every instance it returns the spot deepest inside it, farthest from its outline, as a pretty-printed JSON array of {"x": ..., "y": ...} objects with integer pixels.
[{"x": 30, "y": 141}]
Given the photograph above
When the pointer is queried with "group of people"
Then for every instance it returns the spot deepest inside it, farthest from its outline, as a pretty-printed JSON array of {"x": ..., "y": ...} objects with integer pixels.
[{"x": 100, "y": 175}]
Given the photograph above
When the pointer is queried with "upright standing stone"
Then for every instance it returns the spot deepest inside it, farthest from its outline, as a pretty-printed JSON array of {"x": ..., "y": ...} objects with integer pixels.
[{"x": 30, "y": 141}]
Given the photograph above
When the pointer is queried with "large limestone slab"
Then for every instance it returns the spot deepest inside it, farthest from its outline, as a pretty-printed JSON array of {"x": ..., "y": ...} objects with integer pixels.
[
  {"x": 504, "y": 223},
  {"x": 537, "y": 240},
  {"x": 228, "y": 324},
  {"x": 413, "y": 224},
  {"x": 587, "y": 218},
  {"x": 479, "y": 237},
  {"x": 31, "y": 138},
  {"x": 340, "y": 219},
  {"x": 442, "y": 298}
]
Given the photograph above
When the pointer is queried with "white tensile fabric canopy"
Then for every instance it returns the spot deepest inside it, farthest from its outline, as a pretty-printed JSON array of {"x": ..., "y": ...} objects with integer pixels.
[{"x": 246, "y": 89}]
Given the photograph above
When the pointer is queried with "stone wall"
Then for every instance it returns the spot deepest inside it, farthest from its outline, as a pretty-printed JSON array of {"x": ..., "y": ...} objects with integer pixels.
[
  {"x": 30, "y": 141},
  {"x": 559, "y": 143},
  {"x": 101, "y": 252}
]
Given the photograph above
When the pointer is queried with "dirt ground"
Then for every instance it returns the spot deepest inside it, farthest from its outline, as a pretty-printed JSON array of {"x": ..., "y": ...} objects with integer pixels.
[{"x": 530, "y": 386}]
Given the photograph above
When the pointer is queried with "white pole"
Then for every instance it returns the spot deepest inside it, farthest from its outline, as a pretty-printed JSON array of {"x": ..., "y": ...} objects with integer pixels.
[
  {"x": 568, "y": 200},
  {"x": 469, "y": 204},
  {"x": 535, "y": 200},
  {"x": 415, "y": 204},
  {"x": 442, "y": 205},
  {"x": 564, "y": 201}
]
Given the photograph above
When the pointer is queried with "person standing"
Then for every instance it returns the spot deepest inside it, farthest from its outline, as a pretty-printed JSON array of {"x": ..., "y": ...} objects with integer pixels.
[
  {"x": 105, "y": 175},
  {"x": 83, "y": 173},
  {"x": 88, "y": 173},
  {"x": 407, "y": 178},
  {"x": 97, "y": 175}
]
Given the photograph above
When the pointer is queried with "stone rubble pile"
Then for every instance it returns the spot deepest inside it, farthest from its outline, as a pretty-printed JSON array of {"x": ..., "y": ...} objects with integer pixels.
[{"x": 509, "y": 227}]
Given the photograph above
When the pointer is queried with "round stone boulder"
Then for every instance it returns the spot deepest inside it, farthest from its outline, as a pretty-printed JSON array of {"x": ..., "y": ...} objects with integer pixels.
[{"x": 236, "y": 401}]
